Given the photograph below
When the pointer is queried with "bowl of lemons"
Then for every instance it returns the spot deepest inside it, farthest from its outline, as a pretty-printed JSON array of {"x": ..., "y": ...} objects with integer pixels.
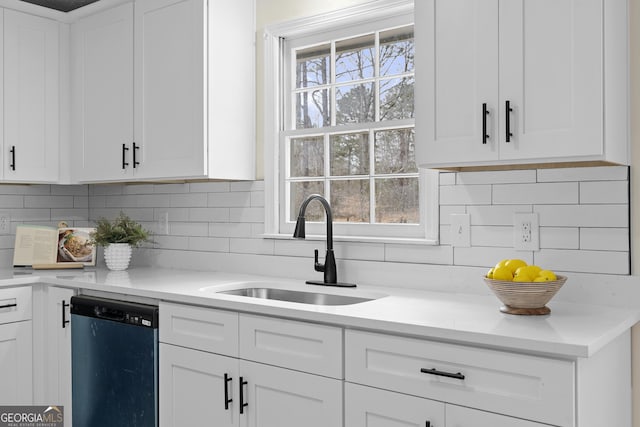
[{"x": 523, "y": 289}]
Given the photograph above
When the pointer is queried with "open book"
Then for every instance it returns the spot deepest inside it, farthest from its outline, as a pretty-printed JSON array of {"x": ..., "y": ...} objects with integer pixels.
[{"x": 54, "y": 247}]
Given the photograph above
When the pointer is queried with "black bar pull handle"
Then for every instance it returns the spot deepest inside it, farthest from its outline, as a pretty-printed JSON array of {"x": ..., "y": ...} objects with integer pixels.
[
  {"x": 427, "y": 424},
  {"x": 227, "y": 380},
  {"x": 9, "y": 305},
  {"x": 434, "y": 371},
  {"x": 508, "y": 111},
  {"x": 64, "y": 314},
  {"x": 135, "y": 151},
  {"x": 242, "y": 402},
  {"x": 124, "y": 156},
  {"x": 13, "y": 158},
  {"x": 485, "y": 113}
]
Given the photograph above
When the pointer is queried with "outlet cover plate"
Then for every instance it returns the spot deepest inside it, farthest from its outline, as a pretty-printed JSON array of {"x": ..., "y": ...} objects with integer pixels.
[
  {"x": 526, "y": 232},
  {"x": 461, "y": 230}
]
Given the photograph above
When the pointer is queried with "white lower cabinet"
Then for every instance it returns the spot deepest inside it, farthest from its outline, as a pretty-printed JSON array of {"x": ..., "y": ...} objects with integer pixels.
[
  {"x": 372, "y": 407},
  {"x": 16, "y": 346},
  {"x": 216, "y": 380},
  {"x": 16, "y": 363},
  {"x": 194, "y": 390},
  {"x": 277, "y": 397}
]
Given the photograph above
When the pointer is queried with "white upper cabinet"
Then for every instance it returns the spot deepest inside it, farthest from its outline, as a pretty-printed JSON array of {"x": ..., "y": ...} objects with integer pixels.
[
  {"x": 151, "y": 69},
  {"x": 504, "y": 82},
  {"x": 31, "y": 98},
  {"x": 102, "y": 95}
]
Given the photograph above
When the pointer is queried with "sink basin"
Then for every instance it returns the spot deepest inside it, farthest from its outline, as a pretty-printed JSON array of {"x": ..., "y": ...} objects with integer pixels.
[{"x": 296, "y": 296}]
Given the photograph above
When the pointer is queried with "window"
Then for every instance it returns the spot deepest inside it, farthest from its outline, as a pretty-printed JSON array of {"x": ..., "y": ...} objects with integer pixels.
[{"x": 346, "y": 128}]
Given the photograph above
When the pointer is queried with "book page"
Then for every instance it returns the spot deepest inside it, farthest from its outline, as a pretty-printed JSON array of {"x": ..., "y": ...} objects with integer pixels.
[{"x": 35, "y": 245}]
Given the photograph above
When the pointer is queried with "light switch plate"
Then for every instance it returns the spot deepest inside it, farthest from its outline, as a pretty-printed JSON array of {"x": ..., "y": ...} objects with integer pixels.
[{"x": 461, "y": 230}]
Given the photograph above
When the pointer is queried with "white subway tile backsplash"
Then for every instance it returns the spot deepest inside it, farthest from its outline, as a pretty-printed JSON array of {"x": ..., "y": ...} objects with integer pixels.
[
  {"x": 447, "y": 178},
  {"x": 209, "y": 214},
  {"x": 209, "y": 187},
  {"x": 604, "y": 192},
  {"x": 465, "y": 195},
  {"x": 599, "y": 173},
  {"x": 583, "y": 215},
  {"x": 230, "y": 229},
  {"x": 257, "y": 199},
  {"x": 188, "y": 200},
  {"x": 24, "y": 190},
  {"x": 446, "y": 211},
  {"x": 544, "y": 193},
  {"x": 581, "y": 261},
  {"x": 247, "y": 186},
  {"x": 230, "y": 200},
  {"x": 209, "y": 244},
  {"x": 422, "y": 254},
  {"x": 174, "y": 214},
  {"x": 246, "y": 214},
  {"x": 171, "y": 188},
  {"x": 559, "y": 238},
  {"x": 496, "y": 177},
  {"x": 67, "y": 190},
  {"x": 46, "y": 201},
  {"x": 189, "y": 229},
  {"x": 482, "y": 256},
  {"x": 252, "y": 246},
  {"x": 604, "y": 239},
  {"x": 137, "y": 189},
  {"x": 171, "y": 242},
  {"x": 12, "y": 202}
]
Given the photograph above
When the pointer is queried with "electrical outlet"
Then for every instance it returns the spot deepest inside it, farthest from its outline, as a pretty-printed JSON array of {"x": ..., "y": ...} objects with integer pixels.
[
  {"x": 5, "y": 222},
  {"x": 526, "y": 232},
  {"x": 461, "y": 230}
]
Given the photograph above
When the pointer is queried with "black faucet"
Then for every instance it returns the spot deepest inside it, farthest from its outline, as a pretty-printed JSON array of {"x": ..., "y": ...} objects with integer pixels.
[{"x": 329, "y": 266}]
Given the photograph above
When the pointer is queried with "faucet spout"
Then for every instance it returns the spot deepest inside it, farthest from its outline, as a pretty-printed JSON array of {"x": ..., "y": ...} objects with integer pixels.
[{"x": 329, "y": 266}]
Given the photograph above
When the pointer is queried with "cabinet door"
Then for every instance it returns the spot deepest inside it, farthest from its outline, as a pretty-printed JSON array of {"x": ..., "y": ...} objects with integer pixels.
[
  {"x": 102, "y": 100},
  {"x": 457, "y": 416},
  {"x": 31, "y": 109},
  {"x": 170, "y": 76},
  {"x": 57, "y": 329},
  {"x": 16, "y": 363},
  {"x": 457, "y": 72},
  {"x": 551, "y": 71},
  {"x": 192, "y": 388},
  {"x": 278, "y": 397},
  {"x": 373, "y": 407}
]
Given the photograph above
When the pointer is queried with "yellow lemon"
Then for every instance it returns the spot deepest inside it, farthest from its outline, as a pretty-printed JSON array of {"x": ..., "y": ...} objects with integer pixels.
[
  {"x": 490, "y": 274},
  {"x": 522, "y": 278},
  {"x": 547, "y": 276},
  {"x": 502, "y": 273},
  {"x": 540, "y": 279},
  {"x": 500, "y": 264},
  {"x": 528, "y": 270},
  {"x": 514, "y": 264}
]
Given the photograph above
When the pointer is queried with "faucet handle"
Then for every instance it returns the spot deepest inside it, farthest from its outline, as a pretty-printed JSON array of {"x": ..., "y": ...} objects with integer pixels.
[{"x": 317, "y": 266}]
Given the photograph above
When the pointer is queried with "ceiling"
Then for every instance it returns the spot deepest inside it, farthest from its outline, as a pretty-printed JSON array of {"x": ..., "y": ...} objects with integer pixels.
[{"x": 61, "y": 5}]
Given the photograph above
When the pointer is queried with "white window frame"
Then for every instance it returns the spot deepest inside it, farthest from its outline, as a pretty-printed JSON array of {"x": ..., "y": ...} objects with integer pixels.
[{"x": 424, "y": 233}]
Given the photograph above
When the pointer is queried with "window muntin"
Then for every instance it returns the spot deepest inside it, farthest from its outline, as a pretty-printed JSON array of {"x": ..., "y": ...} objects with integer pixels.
[{"x": 350, "y": 137}]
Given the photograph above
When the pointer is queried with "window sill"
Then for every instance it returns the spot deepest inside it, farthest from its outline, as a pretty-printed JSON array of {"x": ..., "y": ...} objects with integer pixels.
[{"x": 358, "y": 239}]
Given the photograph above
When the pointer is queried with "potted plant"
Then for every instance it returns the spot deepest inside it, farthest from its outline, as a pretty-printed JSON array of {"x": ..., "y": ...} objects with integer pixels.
[{"x": 118, "y": 237}]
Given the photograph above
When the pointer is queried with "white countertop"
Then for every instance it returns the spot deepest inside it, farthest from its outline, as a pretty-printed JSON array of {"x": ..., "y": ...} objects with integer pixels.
[{"x": 570, "y": 331}]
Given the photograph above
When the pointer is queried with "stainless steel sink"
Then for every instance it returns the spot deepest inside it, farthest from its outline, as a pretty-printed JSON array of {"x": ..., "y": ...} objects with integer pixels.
[{"x": 296, "y": 296}]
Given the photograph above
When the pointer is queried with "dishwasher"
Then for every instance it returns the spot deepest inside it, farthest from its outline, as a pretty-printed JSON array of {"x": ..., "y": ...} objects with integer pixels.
[{"x": 114, "y": 363}]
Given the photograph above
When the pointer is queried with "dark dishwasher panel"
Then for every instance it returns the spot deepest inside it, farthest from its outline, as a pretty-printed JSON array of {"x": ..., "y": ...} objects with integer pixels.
[{"x": 114, "y": 363}]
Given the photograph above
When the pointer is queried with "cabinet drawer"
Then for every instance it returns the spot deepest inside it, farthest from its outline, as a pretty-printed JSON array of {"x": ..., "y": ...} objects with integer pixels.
[
  {"x": 295, "y": 345},
  {"x": 529, "y": 387},
  {"x": 205, "y": 329},
  {"x": 15, "y": 304}
]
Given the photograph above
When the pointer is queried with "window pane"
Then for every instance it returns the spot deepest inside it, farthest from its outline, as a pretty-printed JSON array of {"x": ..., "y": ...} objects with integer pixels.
[
  {"x": 312, "y": 66},
  {"x": 397, "y": 201},
  {"x": 396, "y": 98},
  {"x": 350, "y": 154},
  {"x": 307, "y": 156},
  {"x": 396, "y": 51},
  {"x": 355, "y": 103},
  {"x": 354, "y": 58},
  {"x": 301, "y": 190},
  {"x": 312, "y": 109},
  {"x": 395, "y": 151},
  {"x": 350, "y": 200}
]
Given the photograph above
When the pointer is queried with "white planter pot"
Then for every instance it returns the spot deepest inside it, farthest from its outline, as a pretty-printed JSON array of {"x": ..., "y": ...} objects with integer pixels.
[{"x": 117, "y": 256}]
